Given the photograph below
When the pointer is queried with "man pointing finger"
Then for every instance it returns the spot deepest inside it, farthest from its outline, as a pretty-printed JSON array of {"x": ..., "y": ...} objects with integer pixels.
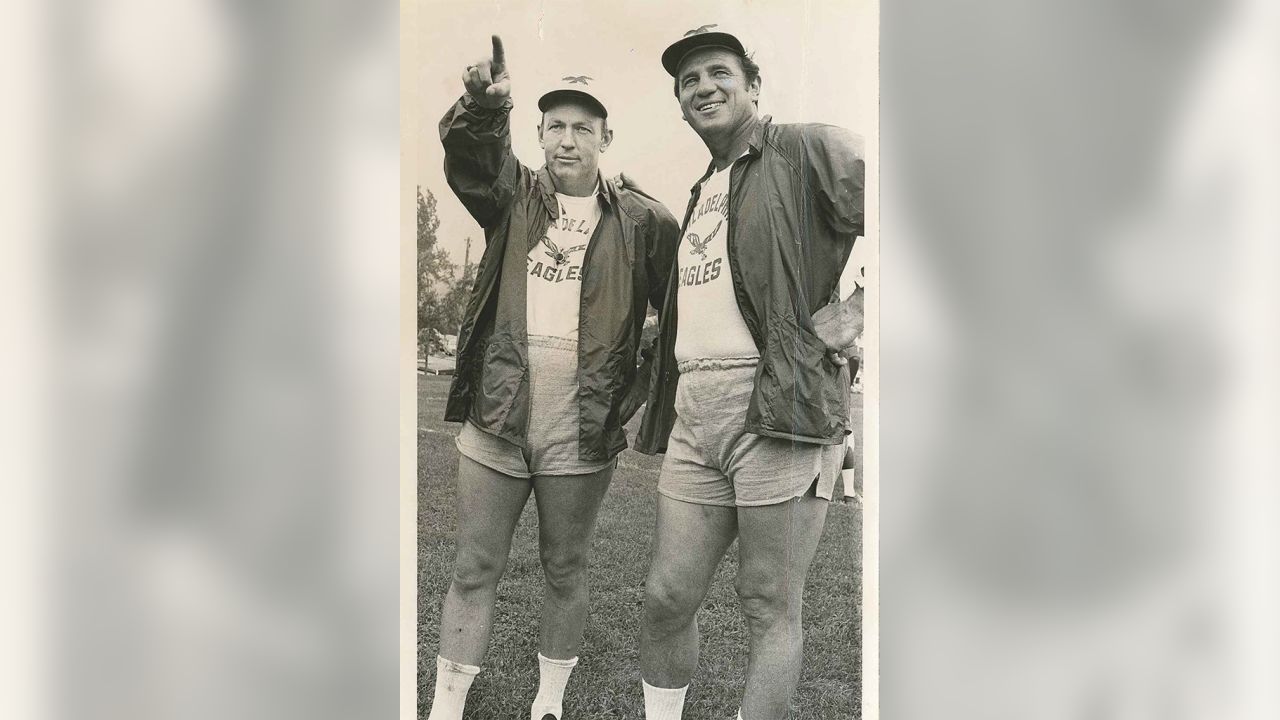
[
  {"x": 488, "y": 81},
  {"x": 546, "y": 375}
]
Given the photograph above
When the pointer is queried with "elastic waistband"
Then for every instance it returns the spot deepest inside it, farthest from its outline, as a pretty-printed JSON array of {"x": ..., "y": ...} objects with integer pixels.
[
  {"x": 695, "y": 364},
  {"x": 553, "y": 343}
]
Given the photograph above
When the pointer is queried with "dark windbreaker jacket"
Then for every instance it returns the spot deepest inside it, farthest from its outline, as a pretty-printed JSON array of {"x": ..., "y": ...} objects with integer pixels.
[
  {"x": 796, "y": 205},
  {"x": 626, "y": 267}
]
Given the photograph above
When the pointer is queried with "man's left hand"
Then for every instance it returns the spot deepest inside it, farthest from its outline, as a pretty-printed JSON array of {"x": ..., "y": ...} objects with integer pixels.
[{"x": 838, "y": 325}]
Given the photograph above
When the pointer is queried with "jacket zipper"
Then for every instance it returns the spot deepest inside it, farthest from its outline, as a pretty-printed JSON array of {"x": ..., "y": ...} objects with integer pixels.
[
  {"x": 735, "y": 186},
  {"x": 582, "y": 307}
]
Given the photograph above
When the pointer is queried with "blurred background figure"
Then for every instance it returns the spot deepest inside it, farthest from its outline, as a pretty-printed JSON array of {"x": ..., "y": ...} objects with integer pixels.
[
  {"x": 223, "y": 201},
  {"x": 1067, "y": 205}
]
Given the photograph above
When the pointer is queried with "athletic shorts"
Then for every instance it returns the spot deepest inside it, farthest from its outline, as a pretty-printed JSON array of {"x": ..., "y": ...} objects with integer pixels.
[
  {"x": 552, "y": 447},
  {"x": 712, "y": 460}
]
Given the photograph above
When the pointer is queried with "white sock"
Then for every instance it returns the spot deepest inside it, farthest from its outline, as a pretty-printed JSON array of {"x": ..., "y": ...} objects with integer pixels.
[
  {"x": 453, "y": 680},
  {"x": 553, "y": 675},
  {"x": 739, "y": 714},
  {"x": 663, "y": 703}
]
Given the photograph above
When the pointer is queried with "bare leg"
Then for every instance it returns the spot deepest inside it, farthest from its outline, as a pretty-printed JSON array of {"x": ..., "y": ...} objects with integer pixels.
[
  {"x": 776, "y": 545},
  {"x": 489, "y": 506},
  {"x": 567, "y": 509},
  {"x": 689, "y": 543}
]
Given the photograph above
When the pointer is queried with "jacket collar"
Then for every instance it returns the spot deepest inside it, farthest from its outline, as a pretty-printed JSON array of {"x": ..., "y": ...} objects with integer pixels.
[
  {"x": 604, "y": 191},
  {"x": 754, "y": 145}
]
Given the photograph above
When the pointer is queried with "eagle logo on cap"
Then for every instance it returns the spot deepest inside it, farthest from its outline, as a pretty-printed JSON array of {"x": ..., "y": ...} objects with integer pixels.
[
  {"x": 576, "y": 79},
  {"x": 700, "y": 30}
]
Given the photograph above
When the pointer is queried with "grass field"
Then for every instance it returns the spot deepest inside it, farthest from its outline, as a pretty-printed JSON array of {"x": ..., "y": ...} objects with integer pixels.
[{"x": 606, "y": 683}]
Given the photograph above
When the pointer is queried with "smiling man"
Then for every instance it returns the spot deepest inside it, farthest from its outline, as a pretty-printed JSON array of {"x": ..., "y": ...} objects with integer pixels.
[
  {"x": 750, "y": 401},
  {"x": 546, "y": 375}
]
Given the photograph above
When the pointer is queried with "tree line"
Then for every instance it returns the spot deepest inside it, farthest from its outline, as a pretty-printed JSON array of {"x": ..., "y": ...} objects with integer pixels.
[{"x": 442, "y": 291}]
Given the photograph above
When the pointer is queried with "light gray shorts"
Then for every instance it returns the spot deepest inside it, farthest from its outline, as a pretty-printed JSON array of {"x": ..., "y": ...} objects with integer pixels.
[
  {"x": 712, "y": 460},
  {"x": 553, "y": 425}
]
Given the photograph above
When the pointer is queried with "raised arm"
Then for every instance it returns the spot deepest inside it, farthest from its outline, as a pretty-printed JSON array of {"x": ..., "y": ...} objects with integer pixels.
[{"x": 476, "y": 133}]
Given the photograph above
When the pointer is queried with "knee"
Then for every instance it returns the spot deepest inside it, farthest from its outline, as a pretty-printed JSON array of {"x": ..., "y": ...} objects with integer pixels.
[
  {"x": 475, "y": 572},
  {"x": 668, "y": 602},
  {"x": 766, "y": 604},
  {"x": 565, "y": 570}
]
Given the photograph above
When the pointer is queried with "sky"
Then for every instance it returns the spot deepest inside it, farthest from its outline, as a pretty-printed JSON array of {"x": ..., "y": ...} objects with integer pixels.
[{"x": 818, "y": 63}]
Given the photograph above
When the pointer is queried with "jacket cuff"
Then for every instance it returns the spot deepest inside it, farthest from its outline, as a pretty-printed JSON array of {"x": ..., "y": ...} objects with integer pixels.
[
  {"x": 472, "y": 106},
  {"x": 470, "y": 123}
]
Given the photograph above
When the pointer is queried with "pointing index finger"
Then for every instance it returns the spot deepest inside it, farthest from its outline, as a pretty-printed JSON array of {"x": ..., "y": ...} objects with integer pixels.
[{"x": 499, "y": 55}]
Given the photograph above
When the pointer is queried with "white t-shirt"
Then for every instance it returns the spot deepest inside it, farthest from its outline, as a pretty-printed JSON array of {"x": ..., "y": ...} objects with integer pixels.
[
  {"x": 555, "y": 268},
  {"x": 710, "y": 322}
]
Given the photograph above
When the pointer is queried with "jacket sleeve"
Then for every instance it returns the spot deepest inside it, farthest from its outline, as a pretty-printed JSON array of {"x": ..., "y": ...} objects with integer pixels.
[
  {"x": 662, "y": 238},
  {"x": 478, "y": 162},
  {"x": 835, "y": 157}
]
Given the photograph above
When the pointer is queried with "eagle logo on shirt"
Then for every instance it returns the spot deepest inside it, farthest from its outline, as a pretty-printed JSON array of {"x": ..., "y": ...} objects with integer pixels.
[
  {"x": 698, "y": 245},
  {"x": 576, "y": 79},
  {"x": 556, "y": 253}
]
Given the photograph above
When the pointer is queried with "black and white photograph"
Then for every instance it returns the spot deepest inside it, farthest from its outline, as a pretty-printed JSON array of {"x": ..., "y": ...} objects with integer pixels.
[
  {"x": 647, "y": 290},
  {"x": 587, "y": 360},
  {"x": 596, "y": 360}
]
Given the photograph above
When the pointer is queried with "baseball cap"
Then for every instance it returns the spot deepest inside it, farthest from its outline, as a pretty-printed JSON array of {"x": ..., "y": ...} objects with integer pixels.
[
  {"x": 581, "y": 87},
  {"x": 696, "y": 38}
]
